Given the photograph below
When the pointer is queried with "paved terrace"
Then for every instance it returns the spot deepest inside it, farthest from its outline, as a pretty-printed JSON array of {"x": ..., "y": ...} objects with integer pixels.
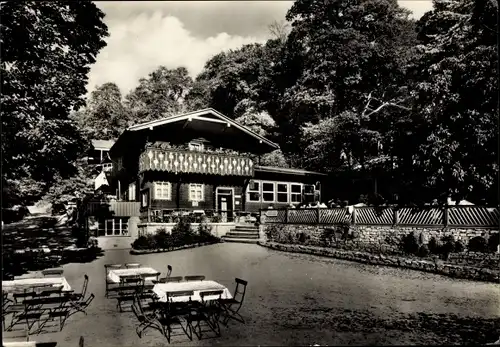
[{"x": 293, "y": 299}]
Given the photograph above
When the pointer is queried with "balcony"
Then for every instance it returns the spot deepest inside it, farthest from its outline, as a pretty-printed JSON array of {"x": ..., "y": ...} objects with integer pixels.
[
  {"x": 184, "y": 161},
  {"x": 114, "y": 208}
]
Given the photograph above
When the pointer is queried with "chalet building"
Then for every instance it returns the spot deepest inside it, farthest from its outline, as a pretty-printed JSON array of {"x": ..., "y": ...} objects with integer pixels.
[{"x": 202, "y": 163}]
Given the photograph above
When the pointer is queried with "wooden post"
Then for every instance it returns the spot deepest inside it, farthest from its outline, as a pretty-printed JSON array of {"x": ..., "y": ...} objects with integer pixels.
[
  {"x": 286, "y": 215},
  {"x": 353, "y": 215},
  {"x": 396, "y": 216},
  {"x": 317, "y": 216},
  {"x": 445, "y": 216}
]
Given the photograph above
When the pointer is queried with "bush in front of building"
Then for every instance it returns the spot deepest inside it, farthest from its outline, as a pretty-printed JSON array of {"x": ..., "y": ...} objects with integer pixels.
[{"x": 182, "y": 235}]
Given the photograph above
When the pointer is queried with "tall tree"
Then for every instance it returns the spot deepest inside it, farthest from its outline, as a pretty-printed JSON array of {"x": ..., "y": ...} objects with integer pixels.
[
  {"x": 47, "y": 50},
  {"x": 161, "y": 94},
  {"x": 353, "y": 55},
  {"x": 456, "y": 95},
  {"x": 105, "y": 116}
]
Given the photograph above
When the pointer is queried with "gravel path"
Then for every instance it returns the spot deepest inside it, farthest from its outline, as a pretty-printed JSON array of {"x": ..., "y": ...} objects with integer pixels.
[{"x": 297, "y": 299}]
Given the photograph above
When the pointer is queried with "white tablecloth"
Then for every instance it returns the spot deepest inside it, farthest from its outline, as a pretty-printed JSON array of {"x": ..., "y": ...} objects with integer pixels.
[
  {"x": 161, "y": 289},
  {"x": 26, "y": 283},
  {"x": 114, "y": 275}
]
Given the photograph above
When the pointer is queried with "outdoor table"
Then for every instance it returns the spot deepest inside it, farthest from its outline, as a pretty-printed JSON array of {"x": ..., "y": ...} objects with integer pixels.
[
  {"x": 161, "y": 290},
  {"x": 114, "y": 275},
  {"x": 20, "y": 285}
]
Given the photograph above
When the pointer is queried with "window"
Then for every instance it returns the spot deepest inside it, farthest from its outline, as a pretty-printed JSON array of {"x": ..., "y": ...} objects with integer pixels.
[
  {"x": 309, "y": 193},
  {"x": 253, "y": 191},
  {"x": 113, "y": 227},
  {"x": 145, "y": 198},
  {"x": 282, "y": 192},
  {"x": 196, "y": 192},
  {"x": 296, "y": 193},
  {"x": 268, "y": 192},
  {"x": 163, "y": 190},
  {"x": 131, "y": 192},
  {"x": 195, "y": 146}
]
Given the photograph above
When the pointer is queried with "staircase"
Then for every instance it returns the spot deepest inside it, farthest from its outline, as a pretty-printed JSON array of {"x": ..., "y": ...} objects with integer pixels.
[{"x": 243, "y": 233}]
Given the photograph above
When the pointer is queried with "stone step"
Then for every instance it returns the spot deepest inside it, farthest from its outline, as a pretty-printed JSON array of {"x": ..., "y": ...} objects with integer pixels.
[
  {"x": 242, "y": 235},
  {"x": 250, "y": 228},
  {"x": 239, "y": 239}
]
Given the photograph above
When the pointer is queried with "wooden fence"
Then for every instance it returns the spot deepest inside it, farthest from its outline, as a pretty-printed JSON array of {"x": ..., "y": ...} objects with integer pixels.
[{"x": 451, "y": 216}]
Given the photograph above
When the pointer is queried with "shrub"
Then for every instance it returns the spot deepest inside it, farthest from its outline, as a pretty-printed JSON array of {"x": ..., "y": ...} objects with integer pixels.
[
  {"x": 493, "y": 242},
  {"x": 410, "y": 243},
  {"x": 205, "y": 232},
  {"x": 182, "y": 233},
  {"x": 143, "y": 242},
  {"x": 459, "y": 246},
  {"x": 477, "y": 244},
  {"x": 302, "y": 238},
  {"x": 163, "y": 239},
  {"x": 275, "y": 232},
  {"x": 423, "y": 251},
  {"x": 92, "y": 242},
  {"x": 433, "y": 245}
]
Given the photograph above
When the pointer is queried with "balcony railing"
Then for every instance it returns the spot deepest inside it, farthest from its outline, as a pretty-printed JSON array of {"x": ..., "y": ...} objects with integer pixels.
[
  {"x": 182, "y": 161},
  {"x": 197, "y": 216},
  {"x": 116, "y": 208}
]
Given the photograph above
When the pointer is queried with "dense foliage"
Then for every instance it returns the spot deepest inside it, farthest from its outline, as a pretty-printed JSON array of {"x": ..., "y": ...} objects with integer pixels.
[{"x": 47, "y": 50}]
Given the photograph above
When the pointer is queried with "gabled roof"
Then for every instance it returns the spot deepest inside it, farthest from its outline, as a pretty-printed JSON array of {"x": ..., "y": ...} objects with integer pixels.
[
  {"x": 103, "y": 144},
  {"x": 209, "y": 115}
]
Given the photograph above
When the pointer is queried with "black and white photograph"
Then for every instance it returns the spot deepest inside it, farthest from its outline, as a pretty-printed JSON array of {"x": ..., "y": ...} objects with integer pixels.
[{"x": 250, "y": 173}]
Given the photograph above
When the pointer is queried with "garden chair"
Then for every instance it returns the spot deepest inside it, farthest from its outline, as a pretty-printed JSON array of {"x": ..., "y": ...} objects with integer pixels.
[
  {"x": 176, "y": 312},
  {"x": 79, "y": 296},
  {"x": 194, "y": 278},
  {"x": 170, "y": 279},
  {"x": 25, "y": 313},
  {"x": 129, "y": 287},
  {"x": 82, "y": 304},
  {"x": 61, "y": 312},
  {"x": 145, "y": 320},
  {"x": 209, "y": 312},
  {"x": 169, "y": 270},
  {"x": 132, "y": 265},
  {"x": 110, "y": 285},
  {"x": 27, "y": 293},
  {"x": 232, "y": 306}
]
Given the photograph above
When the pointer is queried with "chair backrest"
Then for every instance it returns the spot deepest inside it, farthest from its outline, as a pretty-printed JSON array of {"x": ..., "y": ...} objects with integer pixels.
[
  {"x": 137, "y": 313},
  {"x": 171, "y": 279},
  {"x": 85, "y": 284},
  {"x": 169, "y": 270},
  {"x": 132, "y": 265},
  {"x": 214, "y": 293},
  {"x": 240, "y": 290},
  {"x": 179, "y": 293},
  {"x": 194, "y": 278},
  {"x": 48, "y": 290}
]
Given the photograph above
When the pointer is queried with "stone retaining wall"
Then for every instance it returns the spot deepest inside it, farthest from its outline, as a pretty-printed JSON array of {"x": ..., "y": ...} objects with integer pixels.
[
  {"x": 376, "y": 238},
  {"x": 488, "y": 260},
  {"x": 437, "y": 267}
]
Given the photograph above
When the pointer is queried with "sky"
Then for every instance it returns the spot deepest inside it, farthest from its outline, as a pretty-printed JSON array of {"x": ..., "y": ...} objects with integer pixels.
[{"x": 147, "y": 34}]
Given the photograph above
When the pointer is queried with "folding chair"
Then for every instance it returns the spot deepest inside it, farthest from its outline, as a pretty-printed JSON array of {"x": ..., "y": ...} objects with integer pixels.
[
  {"x": 61, "y": 311},
  {"x": 110, "y": 285},
  {"x": 145, "y": 320},
  {"x": 194, "y": 278},
  {"x": 232, "y": 306},
  {"x": 209, "y": 312},
  {"x": 176, "y": 312},
  {"x": 79, "y": 296},
  {"x": 129, "y": 287},
  {"x": 169, "y": 270},
  {"x": 132, "y": 265},
  {"x": 82, "y": 304},
  {"x": 27, "y": 293},
  {"x": 23, "y": 313},
  {"x": 53, "y": 272}
]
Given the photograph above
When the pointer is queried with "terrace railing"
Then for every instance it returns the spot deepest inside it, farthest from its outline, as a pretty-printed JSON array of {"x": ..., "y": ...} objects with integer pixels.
[
  {"x": 195, "y": 216},
  {"x": 450, "y": 216}
]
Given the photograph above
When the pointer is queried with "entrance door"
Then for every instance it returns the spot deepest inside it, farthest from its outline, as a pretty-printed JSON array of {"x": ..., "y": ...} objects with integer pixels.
[{"x": 225, "y": 203}]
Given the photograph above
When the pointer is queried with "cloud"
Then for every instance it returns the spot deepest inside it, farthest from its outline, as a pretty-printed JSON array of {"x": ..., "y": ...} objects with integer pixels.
[
  {"x": 137, "y": 47},
  {"x": 147, "y": 34}
]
